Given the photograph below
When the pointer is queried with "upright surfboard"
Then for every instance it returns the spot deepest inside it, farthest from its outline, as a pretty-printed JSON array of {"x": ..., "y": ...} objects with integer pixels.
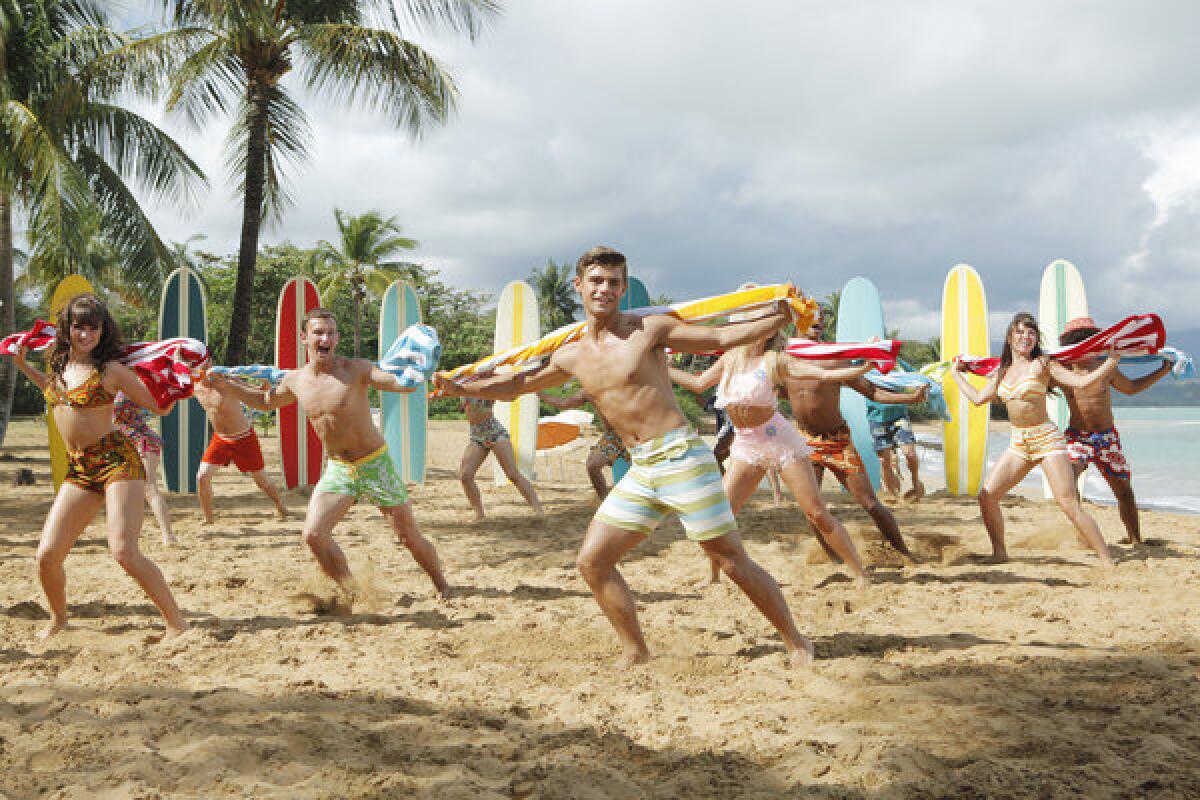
[
  {"x": 404, "y": 415},
  {"x": 183, "y": 311},
  {"x": 859, "y": 317},
  {"x": 299, "y": 448},
  {"x": 67, "y": 288},
  {"x": 964, "y": 332},
  {"x": 635, "y": 296},
  {"x": 1062, "y": 299},
  {"x": 517, "y": 323}
]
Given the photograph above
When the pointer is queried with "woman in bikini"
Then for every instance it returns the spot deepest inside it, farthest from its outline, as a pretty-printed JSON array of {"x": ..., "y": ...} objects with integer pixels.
[
  {"x": 134, "y": 421},
  {"x": 489, "y": 436},
  {"x": 103, "y": 465},
  {"x": 1021, "y": 382},
  {"x": 746, "y": 377}
]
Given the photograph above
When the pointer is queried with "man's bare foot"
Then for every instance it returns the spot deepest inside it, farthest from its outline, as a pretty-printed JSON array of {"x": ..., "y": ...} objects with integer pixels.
[
  {"x": 704, "y": 583},
  {"x": 207, "y": 522},
  {"x": 802, "y": 657},
  {"x": 281, "y": 514},
  {"x": 995, "y": 558},
  {"x": 479, "y": 518},
  {"x": 632, "y": 659},
  {"x": 443, "y": 592},
  {"x": 915, "y": 494},
  {"x": 51, "y": 629},
  {"x": 1130, "y": 540},
  {"x": 175, "y": 631}
]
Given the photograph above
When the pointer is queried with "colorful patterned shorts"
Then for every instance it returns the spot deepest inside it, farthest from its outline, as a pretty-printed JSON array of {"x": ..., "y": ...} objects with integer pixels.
[
  {"x": 110, "y": 459},
  {"x": 834, "y": 450},
  {"x": 1102, "y": 448},
  {"x": 674, "y": 472},
  {"x": 134, "y": 421},
  {"x": 373, "y": 476},
  {"x": 488, "y": 432},
  {"x": 610, "y": 447},
  {"x": 1037, "y": 442},
  {"x": 890, "y": 435}
]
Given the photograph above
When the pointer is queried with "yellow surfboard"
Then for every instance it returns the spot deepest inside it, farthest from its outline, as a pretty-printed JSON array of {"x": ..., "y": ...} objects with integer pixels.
[
  {"x": 517, "y": 323},
  {"x": 964, "y": 332},
  {"x": 67, "y": 288}
]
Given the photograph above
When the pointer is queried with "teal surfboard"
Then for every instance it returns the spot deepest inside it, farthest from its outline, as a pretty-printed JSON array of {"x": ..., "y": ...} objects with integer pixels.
[
  {"x": 183, "y": 311},
  {"x": 636, "y": 296},
  {"x": 404, "y": 415},
  {"x": 860, "y": 316}
]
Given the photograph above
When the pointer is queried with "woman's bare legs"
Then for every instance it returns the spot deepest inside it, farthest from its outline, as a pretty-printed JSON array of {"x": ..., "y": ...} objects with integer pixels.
[
  {"x": 472, "y": 457},
  {"x": 508, "y": 462},
  {"x": 125, "y": 504},
  {"x": 1007, "y": 473},
  {"x": 801, "y": 480},
  {"x": 158, "y": 504},
  {"x": 1058, "y": 472},
  {"x": 72, "y": 510}
]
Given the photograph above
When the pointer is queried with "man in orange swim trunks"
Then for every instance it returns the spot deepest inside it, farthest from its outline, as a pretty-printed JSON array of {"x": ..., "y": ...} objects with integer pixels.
[
  {"x": 233, "y": 441},
  {"x": 816, "y": 405}
]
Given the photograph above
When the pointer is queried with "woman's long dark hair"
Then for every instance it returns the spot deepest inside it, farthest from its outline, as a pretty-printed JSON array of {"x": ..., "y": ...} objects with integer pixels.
[
  {"x": 1022, "y": 318},
  {"x": 88, "y": 310}
]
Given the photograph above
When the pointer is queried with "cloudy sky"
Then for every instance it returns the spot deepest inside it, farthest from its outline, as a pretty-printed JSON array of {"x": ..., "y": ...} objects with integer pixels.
[{"x": 718, "y": 142}]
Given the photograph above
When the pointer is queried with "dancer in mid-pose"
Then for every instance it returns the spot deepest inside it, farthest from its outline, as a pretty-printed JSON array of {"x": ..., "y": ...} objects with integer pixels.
[
  {"x": 763, "y": 440},
  {"x": 619, "y": 361},
  {"x": 488, "y": 435},
  {"x": 1091, "y": 435},
  {"x": 103, "y": 465},
  {"x": 608, "y": 449},
  {"x": 1021, "y": 382},
  {"x": 134, "y": 421}
]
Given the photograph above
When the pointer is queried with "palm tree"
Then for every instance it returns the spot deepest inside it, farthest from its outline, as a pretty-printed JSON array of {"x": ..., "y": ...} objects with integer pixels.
[
  {"x": 68, "y": 152},
  {"x": 555, "y": 289},
  {"x": 224, "y": 57},
  {"x": 829, "y": 315},
  {"x": 358, "y": 262}
]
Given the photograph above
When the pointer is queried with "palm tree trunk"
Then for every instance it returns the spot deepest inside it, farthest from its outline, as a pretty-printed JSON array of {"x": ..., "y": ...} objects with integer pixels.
[
  {"x": 252, "y": 212},
  {"x": 8, "y": 317},
  {"x": 358, "y": 298}
]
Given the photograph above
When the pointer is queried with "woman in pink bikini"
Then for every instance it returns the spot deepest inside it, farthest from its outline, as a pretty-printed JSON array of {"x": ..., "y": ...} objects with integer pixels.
[
  {"x": 745, "y": 378},
  {"x": 1021, "y": 382}
]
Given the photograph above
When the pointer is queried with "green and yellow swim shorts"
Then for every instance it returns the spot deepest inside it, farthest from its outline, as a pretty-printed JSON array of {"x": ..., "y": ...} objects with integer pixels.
[{"x": 373, "y": 476}]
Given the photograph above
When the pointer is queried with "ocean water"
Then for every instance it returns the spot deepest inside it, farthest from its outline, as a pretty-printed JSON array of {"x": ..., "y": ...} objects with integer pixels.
[{"x": 1161, "y": 444}]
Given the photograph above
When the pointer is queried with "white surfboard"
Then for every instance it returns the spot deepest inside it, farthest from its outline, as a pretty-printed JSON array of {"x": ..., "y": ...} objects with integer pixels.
[
  {"x": 1062, "y": 299},
  {"x": 517, "y": 323}
]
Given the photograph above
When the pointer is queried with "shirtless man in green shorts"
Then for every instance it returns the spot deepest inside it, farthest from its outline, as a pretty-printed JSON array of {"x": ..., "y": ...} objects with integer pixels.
[
  {"x": 333, "y": 391},
  {"x": 620, "y": 365}
]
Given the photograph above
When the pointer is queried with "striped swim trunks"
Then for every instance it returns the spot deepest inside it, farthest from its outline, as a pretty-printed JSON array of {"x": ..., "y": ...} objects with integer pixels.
[
  {"x": 674, "y": 473},
  {"x": 1038, "y": 441}
]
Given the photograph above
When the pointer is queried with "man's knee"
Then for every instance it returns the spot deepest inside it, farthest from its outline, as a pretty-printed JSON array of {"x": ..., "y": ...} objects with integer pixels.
[{"x": 314, "y": 539}]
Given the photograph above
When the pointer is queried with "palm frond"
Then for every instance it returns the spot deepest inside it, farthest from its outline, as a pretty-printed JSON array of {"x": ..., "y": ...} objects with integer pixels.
[
  {"x": 288, "y": 141},
  {"x": 378, "y": 69},
  {"x": 469, "y": 17}
]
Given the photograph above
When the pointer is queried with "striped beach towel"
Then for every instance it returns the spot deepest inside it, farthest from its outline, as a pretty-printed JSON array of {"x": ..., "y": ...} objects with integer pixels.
[
  {"x": 528, "y": 356},
  {"x": 883, "y": 353},
  {"x": 165, "y": 367}
]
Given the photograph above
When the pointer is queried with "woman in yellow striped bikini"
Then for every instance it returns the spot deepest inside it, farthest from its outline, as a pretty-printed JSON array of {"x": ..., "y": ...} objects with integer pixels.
[{"x": 1021, "y": 382}]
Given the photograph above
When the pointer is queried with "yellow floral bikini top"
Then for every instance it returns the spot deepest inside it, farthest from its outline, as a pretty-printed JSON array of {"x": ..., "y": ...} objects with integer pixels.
[
  {"x": 89, "y": 394},
  {"x": 1028, "y": 388}
]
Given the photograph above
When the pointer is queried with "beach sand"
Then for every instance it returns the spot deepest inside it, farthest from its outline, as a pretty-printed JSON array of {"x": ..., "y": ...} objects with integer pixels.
[{"x": 1045, "y": 677}]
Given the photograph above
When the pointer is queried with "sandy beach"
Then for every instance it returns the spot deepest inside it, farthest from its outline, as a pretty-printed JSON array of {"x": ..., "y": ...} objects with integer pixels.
[{"x": 1044, "y": 677}]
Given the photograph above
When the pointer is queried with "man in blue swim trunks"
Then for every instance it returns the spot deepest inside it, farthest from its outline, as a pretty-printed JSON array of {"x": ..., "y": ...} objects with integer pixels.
[
  {"x": 333, "y": 391},
  {"x": 891, "y": 430},
  {"x": 620, "y": 364}
]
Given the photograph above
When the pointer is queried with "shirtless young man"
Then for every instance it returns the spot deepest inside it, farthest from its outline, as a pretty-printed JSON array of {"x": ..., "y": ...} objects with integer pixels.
[
  {"x": 1091, "y": 435},
  {"x": 233, "y": 440},
  {"x": 620, "y": 364},
  {"x": 816, "y": 406},
  {"x": 333, "y": 391}
]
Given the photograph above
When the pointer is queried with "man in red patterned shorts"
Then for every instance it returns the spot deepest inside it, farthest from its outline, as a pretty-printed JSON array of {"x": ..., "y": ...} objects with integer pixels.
[
  {"x": 233, "y": 441},
  {"x": 1092, "y": 436}
]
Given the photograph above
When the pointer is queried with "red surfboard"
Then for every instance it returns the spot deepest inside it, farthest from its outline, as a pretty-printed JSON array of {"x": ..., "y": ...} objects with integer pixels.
[{"x": 299, "y": 447}]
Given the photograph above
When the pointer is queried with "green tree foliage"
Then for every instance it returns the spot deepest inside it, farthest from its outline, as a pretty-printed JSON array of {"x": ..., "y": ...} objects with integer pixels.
[
  {"x": 555, "y": 288},
  {"x": 228, "y": 59}
]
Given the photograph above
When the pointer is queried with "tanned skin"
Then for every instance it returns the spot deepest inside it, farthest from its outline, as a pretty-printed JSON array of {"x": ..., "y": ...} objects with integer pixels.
[
  {"x": 1091, "y": 410},
  {"x": 333, "y": 391},
  {"x": 621, "y": 365},
  {"x": 816, "y": 406},
  {"x": 227, "y": 418}
]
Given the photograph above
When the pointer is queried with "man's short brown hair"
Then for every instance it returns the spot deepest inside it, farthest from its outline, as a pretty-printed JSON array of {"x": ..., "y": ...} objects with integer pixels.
[
  {"x": 601, "y": 256},
  {"x": 317, "y": 313},
  {"x": 1076, "y": 336}
]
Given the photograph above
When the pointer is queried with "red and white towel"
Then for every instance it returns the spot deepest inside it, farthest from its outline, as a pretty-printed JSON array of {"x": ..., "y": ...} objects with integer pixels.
[
  {"x": 883, "y": 353},
  {"x": 165, "y": 367}
]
